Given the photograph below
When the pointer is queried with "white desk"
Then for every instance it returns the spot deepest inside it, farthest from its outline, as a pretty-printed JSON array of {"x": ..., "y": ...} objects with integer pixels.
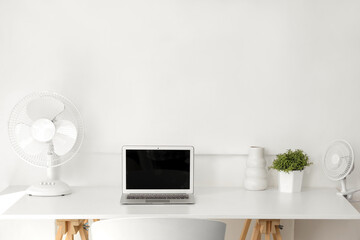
[{"x": 213, "y": 203}]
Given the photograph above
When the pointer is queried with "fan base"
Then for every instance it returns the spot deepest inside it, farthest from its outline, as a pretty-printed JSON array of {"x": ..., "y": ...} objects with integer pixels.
[{"x": 49, "y": 188}]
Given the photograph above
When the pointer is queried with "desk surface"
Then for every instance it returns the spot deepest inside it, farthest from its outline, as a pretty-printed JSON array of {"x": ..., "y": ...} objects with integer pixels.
[{"x": 212, "y": 202}]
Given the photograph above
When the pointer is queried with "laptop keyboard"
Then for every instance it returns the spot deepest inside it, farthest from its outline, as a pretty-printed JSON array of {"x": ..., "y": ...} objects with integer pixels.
[{"x": 158, "y": 196}]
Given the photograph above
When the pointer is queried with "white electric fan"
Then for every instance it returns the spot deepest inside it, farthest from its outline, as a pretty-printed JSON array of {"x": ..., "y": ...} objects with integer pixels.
[
  {"x": 46, "y": 130},
  {"x": 338, "y": 163}
]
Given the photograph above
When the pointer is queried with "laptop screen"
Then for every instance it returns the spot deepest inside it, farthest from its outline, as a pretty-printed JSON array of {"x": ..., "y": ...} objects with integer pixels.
[{"x": 157, "y": 169}]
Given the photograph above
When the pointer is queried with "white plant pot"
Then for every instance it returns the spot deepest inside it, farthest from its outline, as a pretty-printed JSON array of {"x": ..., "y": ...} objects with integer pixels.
[
  {"x": 255, "y": 173},
  {"x": 290, "y": 182}
]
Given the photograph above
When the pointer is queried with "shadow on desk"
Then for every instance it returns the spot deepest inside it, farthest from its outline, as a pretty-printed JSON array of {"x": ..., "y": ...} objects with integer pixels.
[{"x": 9, "y": 197}]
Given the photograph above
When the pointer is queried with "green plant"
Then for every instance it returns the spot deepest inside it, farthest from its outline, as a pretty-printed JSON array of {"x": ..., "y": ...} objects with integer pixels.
[{"x": 291, "y": 161}]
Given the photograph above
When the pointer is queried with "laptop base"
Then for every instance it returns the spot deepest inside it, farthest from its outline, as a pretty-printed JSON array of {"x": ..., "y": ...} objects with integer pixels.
[{"x": 124, "y": 200}]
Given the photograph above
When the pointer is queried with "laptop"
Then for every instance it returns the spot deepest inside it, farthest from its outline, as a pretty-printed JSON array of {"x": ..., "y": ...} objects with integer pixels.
[{"x": 158, "y": 175}]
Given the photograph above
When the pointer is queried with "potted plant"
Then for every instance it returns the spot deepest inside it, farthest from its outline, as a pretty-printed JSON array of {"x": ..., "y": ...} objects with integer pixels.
[{"x": 290, "y": 166}]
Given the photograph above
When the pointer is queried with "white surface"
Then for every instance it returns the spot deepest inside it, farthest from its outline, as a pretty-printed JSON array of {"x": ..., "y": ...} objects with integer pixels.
[
  {"x": 158, "y": 229},
  {"x": 9, "y": 198},
  {"x": 214, "y": 203}
]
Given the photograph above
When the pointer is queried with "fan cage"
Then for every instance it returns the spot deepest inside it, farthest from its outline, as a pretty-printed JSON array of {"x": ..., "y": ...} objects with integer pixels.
[
  {"x": 348, "y": 157},
  {"x": 18, "y": 115}
]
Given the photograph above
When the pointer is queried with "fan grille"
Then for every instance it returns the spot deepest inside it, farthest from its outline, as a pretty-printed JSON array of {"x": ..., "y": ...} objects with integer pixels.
[
  {"x": 19, "y": 116},
  {"x": 338, "y": 160}
]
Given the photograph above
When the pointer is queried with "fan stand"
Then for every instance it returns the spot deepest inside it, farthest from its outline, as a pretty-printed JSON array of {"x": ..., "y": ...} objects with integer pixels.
[
  {"x": 51, "y": 187},
  {"x": 343, "y": 185},
  {"x": 347, "y": 193}
]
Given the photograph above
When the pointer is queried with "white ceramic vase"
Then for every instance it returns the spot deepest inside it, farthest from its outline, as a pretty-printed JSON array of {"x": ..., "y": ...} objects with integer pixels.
[
  {"x": 256, "y": 172},
  {"x": 290, "y": 182}
]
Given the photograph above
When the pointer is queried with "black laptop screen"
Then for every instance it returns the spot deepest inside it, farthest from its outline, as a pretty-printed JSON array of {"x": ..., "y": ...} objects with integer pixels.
[{"x": 157, "y": 169}]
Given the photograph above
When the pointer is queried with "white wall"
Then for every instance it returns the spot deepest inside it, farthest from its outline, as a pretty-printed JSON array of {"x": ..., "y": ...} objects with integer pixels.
[
  {"x": 334, "y": 229},
  {"x": 220, "y": 75}
]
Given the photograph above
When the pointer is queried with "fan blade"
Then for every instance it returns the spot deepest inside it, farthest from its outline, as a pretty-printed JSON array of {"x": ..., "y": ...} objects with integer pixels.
[
  {"x": 65, "y": 137},
  {"x": 27, "y": 142},
  {"x": 44, "y": 107}
]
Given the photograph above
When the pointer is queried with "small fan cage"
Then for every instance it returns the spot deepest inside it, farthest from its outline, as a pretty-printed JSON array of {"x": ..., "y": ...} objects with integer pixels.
[
  {"x": 338, "y": 170},
  {"x": 19, "y": 116}
]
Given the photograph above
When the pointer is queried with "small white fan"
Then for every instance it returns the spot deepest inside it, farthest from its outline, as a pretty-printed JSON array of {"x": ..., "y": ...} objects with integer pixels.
[
  {"x": 338, "y": 163},
  {"x": 46, "y": 130}
]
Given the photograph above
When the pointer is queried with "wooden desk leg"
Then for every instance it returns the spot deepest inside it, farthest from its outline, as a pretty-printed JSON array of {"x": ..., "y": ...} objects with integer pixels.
[
  {"x": 69, "y": 236},
  {"x": 274, "y": 236},
  {"x": 70, "y": 227},
  {"x": 263, "y": 226},
  {"x": 256, "y": 231},
  {"x": 275, "y": 229},
  {"x": 267, "y": 230},
  {"x": 83, "y": 234},
  {"x": 274, "y": 225},
  {"x": 269, "y": 227},
  {"x": 278, "y": 236},
  {"x": 70, "y": 230},
  {"x": 84, "y": 230},
  {"x": 59, "y": 234},
  {"x": 61, "y": 224},
  {"x": 79, "y": 228},
  {"x": 245, "y": 229}
]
